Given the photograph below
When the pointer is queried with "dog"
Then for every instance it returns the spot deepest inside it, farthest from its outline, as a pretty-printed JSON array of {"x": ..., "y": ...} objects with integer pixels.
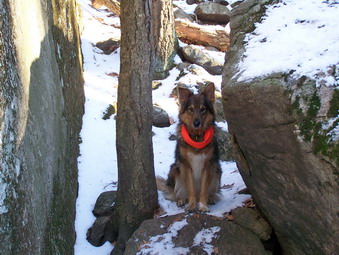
[{"x": 194, "y": 178}]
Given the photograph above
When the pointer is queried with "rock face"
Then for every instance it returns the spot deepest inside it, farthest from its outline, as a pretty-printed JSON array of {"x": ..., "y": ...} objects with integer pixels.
[
  {"x": 41, "y": 107},
  {"x": 182, "y": 234},
  {"x": 283, "y": 146}
]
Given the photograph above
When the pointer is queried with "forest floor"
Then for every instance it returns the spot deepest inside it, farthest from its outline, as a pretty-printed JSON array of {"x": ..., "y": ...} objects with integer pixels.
[{"x": 98, "y": 160}]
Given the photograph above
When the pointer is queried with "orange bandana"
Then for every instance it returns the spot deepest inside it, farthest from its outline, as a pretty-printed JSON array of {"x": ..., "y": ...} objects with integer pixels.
[{"x": 208, "y": 136}]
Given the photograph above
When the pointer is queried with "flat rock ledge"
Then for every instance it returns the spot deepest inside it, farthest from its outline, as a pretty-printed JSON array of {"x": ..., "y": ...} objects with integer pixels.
[{"x": 193, "y": 234}]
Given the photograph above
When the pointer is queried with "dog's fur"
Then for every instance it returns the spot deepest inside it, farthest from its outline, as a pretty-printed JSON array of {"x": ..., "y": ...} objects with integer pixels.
[{"x": 195, "y": 175}]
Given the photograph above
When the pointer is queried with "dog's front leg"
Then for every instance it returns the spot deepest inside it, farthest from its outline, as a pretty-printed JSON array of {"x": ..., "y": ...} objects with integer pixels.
[
  {"x": 189, "y": 183},
  {"x": 203, "y": 196}
]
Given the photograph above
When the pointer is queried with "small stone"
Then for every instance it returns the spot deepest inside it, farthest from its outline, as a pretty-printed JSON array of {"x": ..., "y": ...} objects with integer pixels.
[
  {"x": 101, "y": 231},
  {"x": 104, "y": 204},
  {"x": 160, "y": 117},
  {"x": 108, "y": 46}
]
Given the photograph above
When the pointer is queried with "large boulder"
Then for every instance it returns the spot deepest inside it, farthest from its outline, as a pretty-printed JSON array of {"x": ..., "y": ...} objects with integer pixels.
[
  {"x": 41, "y": 108},
  {"x": 193, "y": 234},
  {"x": 285, "y": 147}
]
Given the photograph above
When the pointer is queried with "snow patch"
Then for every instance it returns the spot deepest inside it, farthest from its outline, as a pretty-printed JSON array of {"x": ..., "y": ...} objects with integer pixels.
[
  {"x": 3, "y": 187},
  {"x": 204, "y": 238},
  {"x": 334, "y": 133},
  {"x": 163, "y": 244},
  {"x": 294, "y": 35}
]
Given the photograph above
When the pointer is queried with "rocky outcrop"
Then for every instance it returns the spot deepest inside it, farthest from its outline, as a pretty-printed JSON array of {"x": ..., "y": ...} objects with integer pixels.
[
  {"x": 41, "y": 107},
  {"x": 193, "y": 234},
  {"x": 285, "y": 145}
]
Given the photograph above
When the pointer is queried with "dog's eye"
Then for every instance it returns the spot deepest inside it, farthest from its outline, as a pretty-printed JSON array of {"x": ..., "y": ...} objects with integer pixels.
[
  {"x": 203, "y": 110},
  {"x": 190, "y": 110}
]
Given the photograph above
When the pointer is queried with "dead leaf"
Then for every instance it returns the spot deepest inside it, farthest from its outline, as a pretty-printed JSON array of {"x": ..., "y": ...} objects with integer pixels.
[
  {"x": 229, "y": 217},
  {"x": 249, "y": 203}
]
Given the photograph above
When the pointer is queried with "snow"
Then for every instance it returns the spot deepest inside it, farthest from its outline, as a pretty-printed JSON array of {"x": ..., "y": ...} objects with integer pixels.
[
  {"x": 295, "y": 35},
  {"x": 204, "y": 238},
  {"x": 3, "y": 187},
  {"x": 334, "y": 133},
  {"x": 163, "y": 244}
]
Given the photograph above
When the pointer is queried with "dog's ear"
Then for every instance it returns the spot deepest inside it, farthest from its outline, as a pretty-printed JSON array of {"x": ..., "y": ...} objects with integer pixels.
[
  {"x": 209, "y": 92},
  {"x": 183, "y": 95}
]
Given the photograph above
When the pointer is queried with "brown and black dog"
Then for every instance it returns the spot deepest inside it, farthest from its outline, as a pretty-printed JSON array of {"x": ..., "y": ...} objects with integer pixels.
[{"x": 195, "y": 175}]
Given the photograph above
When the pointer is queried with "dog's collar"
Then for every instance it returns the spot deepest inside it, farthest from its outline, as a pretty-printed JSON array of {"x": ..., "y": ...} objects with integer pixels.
[{"x": 208, "y": 136}]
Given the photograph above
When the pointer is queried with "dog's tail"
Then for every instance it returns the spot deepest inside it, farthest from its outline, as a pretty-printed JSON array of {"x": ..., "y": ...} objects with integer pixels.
[{"x": 167, "y": 190}]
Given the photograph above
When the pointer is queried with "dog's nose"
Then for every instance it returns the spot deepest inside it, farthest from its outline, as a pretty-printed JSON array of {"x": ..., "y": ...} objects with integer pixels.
[{"x": 196, "y": 123}]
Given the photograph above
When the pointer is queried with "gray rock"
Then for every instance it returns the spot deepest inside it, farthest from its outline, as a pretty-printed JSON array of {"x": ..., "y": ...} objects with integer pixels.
[
  {"x": 213, "y": 12},
  {"x": 104, "y": 204},
  {"x": 101, "y": 232},
  {"x": 194, "y": 55},
  {"x": 285, "y": 157},
  {"x": 183, "y": 66},
  {"x": 214, "y": 70},
  {"x": 228, "y": 237},
  {"x": 224, "y": 144},
  {"x": 108, "y": 46},
  {"x": 190, "y": 2},
  {"x": 160, "y": 117},
  {"x": 181, "y": 14},
  {"x": 251, "y": 219},
  {"x": 41, "y": 108}
]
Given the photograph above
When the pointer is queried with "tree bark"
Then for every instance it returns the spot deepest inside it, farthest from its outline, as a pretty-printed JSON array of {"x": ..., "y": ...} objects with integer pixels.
[
  {"x": 205, "y": 35},
  {"x": 137, "y": 193},
  {"x": 165, "y": 42}
]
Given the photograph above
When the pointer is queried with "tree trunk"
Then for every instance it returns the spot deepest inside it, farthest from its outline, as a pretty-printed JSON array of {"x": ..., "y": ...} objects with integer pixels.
[
  {"x": 165, "y": 42},
  {"x": 137, "y": 193}
]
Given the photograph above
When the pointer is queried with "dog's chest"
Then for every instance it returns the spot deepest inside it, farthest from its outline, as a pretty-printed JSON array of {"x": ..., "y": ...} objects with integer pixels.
[{"x": 197, "y": 162}]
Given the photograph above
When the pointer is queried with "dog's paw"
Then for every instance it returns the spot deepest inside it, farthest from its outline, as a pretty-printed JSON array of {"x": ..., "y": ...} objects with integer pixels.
[
  {"x": 211, "y": 201},
  {"x": 203, "y": 208},
  {"x": 180, "y": 202},
  {"x": 192, "y": 207}
]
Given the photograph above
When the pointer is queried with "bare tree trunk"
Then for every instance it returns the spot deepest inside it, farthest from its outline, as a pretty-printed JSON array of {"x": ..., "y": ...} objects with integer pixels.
[
  {"x": 165, "y": 42},
  {"x": 137, "y": 193}
]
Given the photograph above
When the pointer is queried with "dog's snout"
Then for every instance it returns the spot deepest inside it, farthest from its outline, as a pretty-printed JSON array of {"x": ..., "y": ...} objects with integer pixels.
[{"x": 196, "y": 123}]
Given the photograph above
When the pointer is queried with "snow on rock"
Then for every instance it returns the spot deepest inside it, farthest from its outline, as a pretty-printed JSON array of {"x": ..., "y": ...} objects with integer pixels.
[
  {"x": 204, "y": 238},
  {"x": 163, "y": 244},
  {"x": 294, "y": 35}
]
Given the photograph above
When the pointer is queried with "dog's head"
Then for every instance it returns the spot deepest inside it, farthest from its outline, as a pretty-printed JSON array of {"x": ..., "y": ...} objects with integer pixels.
[{"x": 196, "y": 111}]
